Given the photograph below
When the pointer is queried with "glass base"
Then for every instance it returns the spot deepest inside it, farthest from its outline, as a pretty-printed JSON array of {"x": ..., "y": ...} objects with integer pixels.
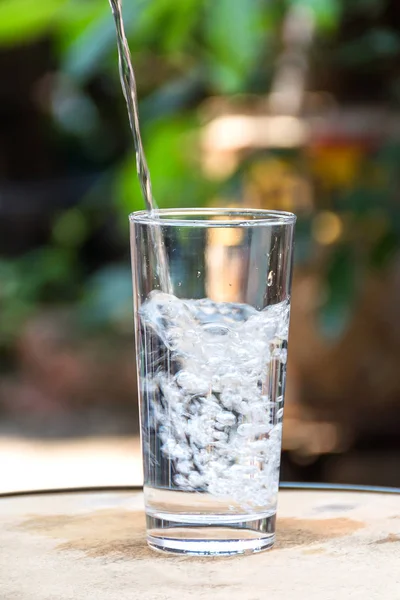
[{"x": 211, "y": 539}]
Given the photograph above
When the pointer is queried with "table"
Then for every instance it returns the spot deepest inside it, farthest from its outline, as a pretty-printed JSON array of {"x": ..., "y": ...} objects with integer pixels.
[{"x": 90, "y": 545}]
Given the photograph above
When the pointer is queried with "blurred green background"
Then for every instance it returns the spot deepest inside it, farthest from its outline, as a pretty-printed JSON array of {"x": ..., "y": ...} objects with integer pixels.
[{"x": 287, "y": 104}]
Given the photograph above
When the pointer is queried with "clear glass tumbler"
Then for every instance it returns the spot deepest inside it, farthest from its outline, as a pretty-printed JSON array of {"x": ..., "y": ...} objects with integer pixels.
[{"x": 211, "y": 339}]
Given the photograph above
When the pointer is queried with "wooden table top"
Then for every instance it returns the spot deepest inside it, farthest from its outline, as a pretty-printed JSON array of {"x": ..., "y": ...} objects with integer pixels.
[{"x": 91, "y": 546}]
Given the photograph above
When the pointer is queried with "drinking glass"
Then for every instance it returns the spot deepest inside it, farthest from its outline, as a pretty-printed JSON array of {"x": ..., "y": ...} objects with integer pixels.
[{"x": 212, "y": 306}]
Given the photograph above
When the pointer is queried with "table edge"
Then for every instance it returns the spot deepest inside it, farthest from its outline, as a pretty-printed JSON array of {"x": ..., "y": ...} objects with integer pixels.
[{"x": 306, "y": 487}]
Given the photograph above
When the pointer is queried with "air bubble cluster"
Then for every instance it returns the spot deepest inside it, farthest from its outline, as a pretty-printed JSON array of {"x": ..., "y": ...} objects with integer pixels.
[{"x": 214, "y": 393}]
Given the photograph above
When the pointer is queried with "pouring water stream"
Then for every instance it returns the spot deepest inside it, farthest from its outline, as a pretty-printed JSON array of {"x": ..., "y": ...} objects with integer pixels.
[{"x": 128, "y": 83}]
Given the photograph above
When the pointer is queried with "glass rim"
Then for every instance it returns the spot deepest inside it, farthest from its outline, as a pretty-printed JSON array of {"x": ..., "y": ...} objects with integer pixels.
[{"x": 213, "y": 217}]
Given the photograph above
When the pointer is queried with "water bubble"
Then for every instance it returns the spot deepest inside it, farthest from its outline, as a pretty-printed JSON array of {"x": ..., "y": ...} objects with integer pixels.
[
  {"x": 181, "y": 481},
  {"x": 191, "y": 383},
  {"x": 220, "y": 435},
  {"x": 198, "y": 274},
  {"x": 184, "y": 467},
  {"x": 195, "y": 479},
  {"x": 182, "y": 452},
  {"x": 169, "y": 447},
  {"x": 226, "y": 418},
  {"x": 270, "y": 279},
  {"x": 253, "y": 430},
  {"x": 229, "y": 399},
  {"x": 179, "y": 284},
  {"x": 205, "y": 375},
  {"x": 216, "y": 329}
]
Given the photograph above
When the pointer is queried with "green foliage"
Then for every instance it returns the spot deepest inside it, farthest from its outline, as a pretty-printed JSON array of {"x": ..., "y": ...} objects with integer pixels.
[
  {"x": 369, "y": 8},
  {"x": 70, "y": 229},
  {"x": 108, "y": 299},
  {"x": 84, "y": 52},
  {"x": 171, "y": 148},
  {"x": 384, "y": 250},
  {"x": 234, "y": 39},
  {"x": 24, "y": 20},
  {"x": 341, "y": 290},
  {"x": 45, "y": 275},
  {"x": 86, "y": 37},
  {"x": 371, "y": 46},
  {"x": 326, "y": 13},
  {"x": 169, "y": 27},
  {"x": 185, "y": 51}
]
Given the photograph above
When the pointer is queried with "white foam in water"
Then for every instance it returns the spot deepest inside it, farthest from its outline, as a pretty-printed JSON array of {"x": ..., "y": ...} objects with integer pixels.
[{"x": 213, "y": 384}]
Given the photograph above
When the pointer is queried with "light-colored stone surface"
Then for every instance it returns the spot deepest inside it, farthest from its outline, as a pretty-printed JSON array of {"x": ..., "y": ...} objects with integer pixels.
[
  {"x": 37, "y": 464},
  {"x": 331, "y": 546},
  {"x": 54, "y": 464}
]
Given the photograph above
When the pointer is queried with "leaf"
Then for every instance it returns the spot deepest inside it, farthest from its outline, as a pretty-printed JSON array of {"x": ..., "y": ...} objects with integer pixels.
[
  {"x": 108, "y": 298},
  {"x": 70, "y": 229},
  {"x": 127, "y": 189},
  {"x": 45, "y": 272},
  {"x": 376, "y": 44},
  {"x": 87, "y": 51},
  {"x": 326, "y": 12},
  {"x": 369, "y": 8},
  {"x": 76, "y": 17},
  {"x": 340, "y": 280},
  {"x": 170, "y": 25},
  {"x": 173, "y": 97},
  {"x": 234, "y": 38},
  {"x": 169, "y": 146},
  {"x": 304, "y": 246},
  {"x": 384, "y": 250},
  {"x": 84, "y": 53},
  {"x": 24, "y": 20}
]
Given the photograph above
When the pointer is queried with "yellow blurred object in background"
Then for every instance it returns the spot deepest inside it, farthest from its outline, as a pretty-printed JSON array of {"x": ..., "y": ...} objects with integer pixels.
[{"x": 327, "y": 228}]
